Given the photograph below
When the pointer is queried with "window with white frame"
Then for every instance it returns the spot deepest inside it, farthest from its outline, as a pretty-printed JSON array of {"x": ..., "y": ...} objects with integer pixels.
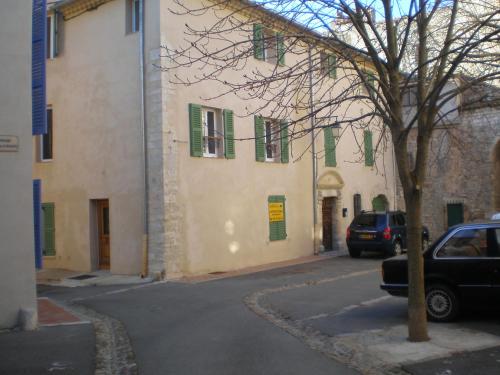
[
  {"x": 46, "y": 140},
  {"x": 51, "y": 36},
  {"x": 272, "y": 134},
  {"x": 133, "y": 16},
  {"x": 268, "y": 44},
  {"x": 213, "y": 133}
]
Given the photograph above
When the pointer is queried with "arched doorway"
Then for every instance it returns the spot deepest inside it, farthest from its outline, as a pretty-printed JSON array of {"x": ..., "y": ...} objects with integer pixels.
[
  {"x": 496, "y": 177},
  {"x": 380, "y": 203},
  {"x": 329, "y": 186}
]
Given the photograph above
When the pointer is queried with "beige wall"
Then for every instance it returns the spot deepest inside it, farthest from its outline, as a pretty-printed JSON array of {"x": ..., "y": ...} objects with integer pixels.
[
  {"x": 17, "y": 269},
  {"x": 94, "y": 90},
  {"x": 222, "y": 204}
]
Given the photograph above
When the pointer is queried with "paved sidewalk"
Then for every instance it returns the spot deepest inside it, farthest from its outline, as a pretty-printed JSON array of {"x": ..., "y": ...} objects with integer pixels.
[{"x": 71, "y": 279}]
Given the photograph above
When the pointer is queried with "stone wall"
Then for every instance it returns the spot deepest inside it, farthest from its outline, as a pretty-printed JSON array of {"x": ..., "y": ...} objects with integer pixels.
[{"x": 461, "y": 169}]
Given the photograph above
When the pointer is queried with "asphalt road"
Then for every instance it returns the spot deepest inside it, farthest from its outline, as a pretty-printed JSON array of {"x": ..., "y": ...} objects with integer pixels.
[{"x": 206, "y": 328}]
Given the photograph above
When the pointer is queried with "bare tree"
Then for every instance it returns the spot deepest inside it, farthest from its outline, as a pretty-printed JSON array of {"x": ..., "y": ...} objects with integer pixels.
[{"x": 386, "y": 50}]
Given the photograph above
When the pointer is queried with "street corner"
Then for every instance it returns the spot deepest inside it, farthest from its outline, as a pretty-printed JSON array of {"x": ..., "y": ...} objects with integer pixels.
[{"x": 348, "y": 318}]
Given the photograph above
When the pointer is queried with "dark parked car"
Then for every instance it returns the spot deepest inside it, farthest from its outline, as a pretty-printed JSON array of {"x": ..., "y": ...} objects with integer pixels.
[
  {"x": 380, "y": 231},
  {"x": 461, "y": 268}
]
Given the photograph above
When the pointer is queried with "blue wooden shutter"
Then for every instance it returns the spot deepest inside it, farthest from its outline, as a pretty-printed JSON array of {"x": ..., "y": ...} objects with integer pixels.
[
  {"x": 38, "y": 57},
  {"x": 37, "y": 221}
]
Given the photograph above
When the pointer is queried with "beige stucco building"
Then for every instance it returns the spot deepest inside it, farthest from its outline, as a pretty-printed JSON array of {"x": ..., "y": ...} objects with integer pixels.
[
  {"x": 17, "y": 269},
  {"x": 128, "y": 144}
]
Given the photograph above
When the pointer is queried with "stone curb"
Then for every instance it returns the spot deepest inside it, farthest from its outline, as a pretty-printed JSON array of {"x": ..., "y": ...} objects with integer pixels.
[
  {"x": 114, "y": 353},
  {"x": 340, "y": 348}
]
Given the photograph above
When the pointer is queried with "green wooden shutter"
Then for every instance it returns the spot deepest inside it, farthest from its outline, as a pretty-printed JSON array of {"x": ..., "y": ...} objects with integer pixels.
[
  {"x": 280, "y": 47},
  {"x": 277, "y": 229},
  {"x": 229, "y": 150},
  {"x": 284, "y": 141},
  {"x": 332, "y": 66},
  {"x": 260, "y": 149},
  {"x": 195, "y": 130},
  {"x": 330, "y": 157},
  {"x": 368, "y": 148},
  {"x": 371, "y": 83},
  {"x": 258, "y": 41},
  {"x": 49, "y": 230}
]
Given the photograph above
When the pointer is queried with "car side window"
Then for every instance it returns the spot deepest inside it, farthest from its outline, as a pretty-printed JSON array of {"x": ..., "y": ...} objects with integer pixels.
[{"x": 466, "y": 243}]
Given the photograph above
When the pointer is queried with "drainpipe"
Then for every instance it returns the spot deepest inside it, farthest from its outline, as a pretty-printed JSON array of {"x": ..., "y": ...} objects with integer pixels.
[
  {"x": 313, "y": 150},
  {"x": 144, "y": 134}
]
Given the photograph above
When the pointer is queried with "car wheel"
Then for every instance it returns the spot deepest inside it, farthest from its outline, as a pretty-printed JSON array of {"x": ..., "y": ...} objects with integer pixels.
[
  {"x": 425, "y": 243},
  {"x": 441, "y": 303},
  {"x": 354, "y": 253},
  {"x": 397, "y": 249}
]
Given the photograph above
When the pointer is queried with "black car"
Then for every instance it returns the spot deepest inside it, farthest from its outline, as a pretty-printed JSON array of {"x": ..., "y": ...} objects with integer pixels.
[
  {"x": 462, "y": 268},
  {"x": 380, "y": 231}
]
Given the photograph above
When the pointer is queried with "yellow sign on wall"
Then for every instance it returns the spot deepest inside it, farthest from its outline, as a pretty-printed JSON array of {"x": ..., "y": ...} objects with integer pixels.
[{"x": 276, "y": 212}]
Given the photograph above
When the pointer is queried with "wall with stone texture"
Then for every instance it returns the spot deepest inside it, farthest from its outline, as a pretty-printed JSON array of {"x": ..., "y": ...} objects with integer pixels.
[{"x": 461, "y": 169}]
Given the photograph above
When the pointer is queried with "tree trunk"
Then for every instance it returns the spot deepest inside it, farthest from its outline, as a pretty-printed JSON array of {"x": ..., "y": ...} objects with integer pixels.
[{"x": 417, "y": 318}]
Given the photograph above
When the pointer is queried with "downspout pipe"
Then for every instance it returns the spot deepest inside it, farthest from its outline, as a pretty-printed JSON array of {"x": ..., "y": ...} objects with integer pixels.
[
  {"x": 144, "y": 135},
  {"x": 313, "y": 150}
]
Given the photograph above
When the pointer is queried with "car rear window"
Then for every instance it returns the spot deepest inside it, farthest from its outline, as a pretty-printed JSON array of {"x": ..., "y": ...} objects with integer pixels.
[{"x": 368, "y": 220}]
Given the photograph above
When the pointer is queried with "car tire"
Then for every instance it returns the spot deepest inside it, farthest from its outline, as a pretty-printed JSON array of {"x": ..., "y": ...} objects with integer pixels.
[
  {"x": 354, "y": 253},
  {"x": 397, "y": 249},
  {"x": 425, "y": 243},
  {"x": 441, "y": 303}
]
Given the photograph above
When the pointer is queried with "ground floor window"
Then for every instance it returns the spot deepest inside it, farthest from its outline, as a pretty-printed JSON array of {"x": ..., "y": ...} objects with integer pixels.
[{"x": 277, "y": 217}]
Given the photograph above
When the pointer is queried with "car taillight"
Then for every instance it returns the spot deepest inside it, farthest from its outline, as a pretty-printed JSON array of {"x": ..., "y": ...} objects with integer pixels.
[
  {"x": 348, "y": 233},
  {"x": 387, "y": 233}
]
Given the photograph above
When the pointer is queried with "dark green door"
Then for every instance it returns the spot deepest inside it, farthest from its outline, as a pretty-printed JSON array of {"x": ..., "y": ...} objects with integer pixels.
[{"x": 455, "y": 213}]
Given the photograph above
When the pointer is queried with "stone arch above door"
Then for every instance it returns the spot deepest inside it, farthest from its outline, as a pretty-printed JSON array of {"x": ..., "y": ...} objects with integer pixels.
[{"x": 330, "y": 180}]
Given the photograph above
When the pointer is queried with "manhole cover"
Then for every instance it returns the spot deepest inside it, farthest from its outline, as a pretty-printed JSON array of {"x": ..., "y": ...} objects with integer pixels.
[{"x": 82, "y": 277}]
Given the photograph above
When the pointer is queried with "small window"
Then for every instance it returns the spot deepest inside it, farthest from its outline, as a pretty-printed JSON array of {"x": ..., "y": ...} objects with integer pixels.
[
  {"x": 409, "y": 98},
  {"x": 46, "y": 140},
  {"x": 465, "y": 243},
  {"x": 357, "y": 204},
  {"x": 328, "y": 64},
  {"x": 132, "y": 16},
  {"x": 213, "y": 134},
  {"x": 268, "y": 45},
  {"x": 52, "y": 37},
  {"x": 272, "y": 140}
]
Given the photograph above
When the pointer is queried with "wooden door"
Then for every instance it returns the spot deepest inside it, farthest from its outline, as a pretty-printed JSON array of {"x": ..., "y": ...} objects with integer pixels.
[
  {"x": 328, "y": 204},
  {"x": 103, "y": 233}
]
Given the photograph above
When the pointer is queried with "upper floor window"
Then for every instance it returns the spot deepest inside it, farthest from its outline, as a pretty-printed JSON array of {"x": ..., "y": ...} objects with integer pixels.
[
  {"x": 53, "y": 35},
  {"x": 132, "y": 16},
  {"x": 46, "y": 140},
  {"x": 271, "y": 140},
  {"x": 211, "y": 132},
  {"x": 328, "y": 64},
  {"x": 268, "y": 45},
  {"x": 213, "y": 135}
]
